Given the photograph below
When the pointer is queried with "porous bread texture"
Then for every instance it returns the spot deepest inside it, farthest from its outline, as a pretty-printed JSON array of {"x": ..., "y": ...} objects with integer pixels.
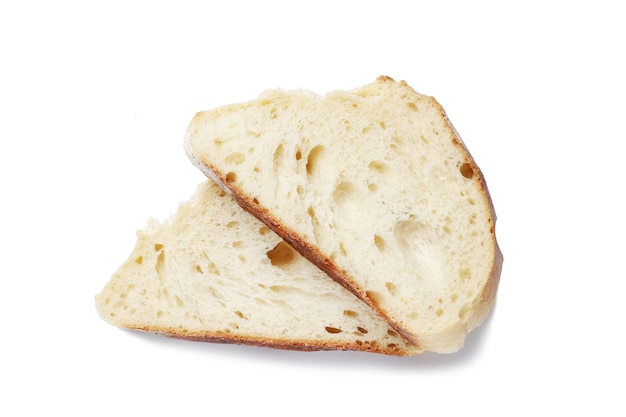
[
  {"x": 376, "y": 188},
  {"x": 213, "y": 272}
]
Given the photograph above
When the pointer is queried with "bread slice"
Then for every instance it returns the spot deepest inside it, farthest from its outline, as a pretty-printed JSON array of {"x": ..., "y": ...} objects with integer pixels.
[
  {"x": 212, "y": 272},
  {"x": 376, "y": 188}
]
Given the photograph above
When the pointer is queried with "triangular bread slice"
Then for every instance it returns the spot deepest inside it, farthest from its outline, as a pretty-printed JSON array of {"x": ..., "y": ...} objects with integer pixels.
[
  {"x": 376, "y": 188},
  {"x": 213, "y": 272}
]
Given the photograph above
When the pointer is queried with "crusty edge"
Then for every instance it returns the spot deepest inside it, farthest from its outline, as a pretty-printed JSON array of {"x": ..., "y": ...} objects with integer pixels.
[{"x": 391, "y": 349}]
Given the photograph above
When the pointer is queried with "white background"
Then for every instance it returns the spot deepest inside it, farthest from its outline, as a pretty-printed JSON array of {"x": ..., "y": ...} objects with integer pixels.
[{"x": 95, "y": 98}]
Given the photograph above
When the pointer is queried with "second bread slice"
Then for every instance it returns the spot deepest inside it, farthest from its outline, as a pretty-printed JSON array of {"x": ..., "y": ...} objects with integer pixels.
[{"x": 213, "y": 272}]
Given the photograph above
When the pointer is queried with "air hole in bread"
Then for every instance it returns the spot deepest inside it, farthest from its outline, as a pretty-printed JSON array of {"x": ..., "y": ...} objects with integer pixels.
[
  {"x": 393, "y": 290},
  {"x": 282, "y": 255},
  {"x": 350, "y": 313},
  {"x": 240, "y": 314},
  {"x": 380, "y": 243},
  {"x": 158, "y": 247},
  {"x": 332, "y": 330},
  {"x": 313, "y": 160},
  {"x": 238, "y": 244},
  {"x": 464, "y": 311},
  {"x": 466, "y": 170},
  {"x": 392, "y": 333},
  {"x": 159, "y": 266},
  {"x": 264, "y": 230},
  {"x": 235, "y": 158},
  {"x": 342, "y": 249},
  {"x": 375, "y": 296},
  {"x": 378, "y": 167},
  {"x": 383, "y": 125},
  {"x": 372, "y": 187},
  {"x": 232, "y": 224},
  {"x": 361, "y": 329},
  {"x": 199, "y": 269},
  {"x": 439, "y": 312},
  {"x": 278, "y": 156},
  {"x": 343, "y": 192},
  {"x": 179, "y": 302},
  {"x": 412, "y": 106},
  {"x": 396, "y": 143},
  {"x": 231, "y": 177},
  {"x": 213, "y": 269},
  {"x": 298, "y": 155},
  {"x": 454, "y": 297},
  {"x": 465, "y": 274},
  {"x": 139, "y": 260},
  {"x": 285, "y": 289}
]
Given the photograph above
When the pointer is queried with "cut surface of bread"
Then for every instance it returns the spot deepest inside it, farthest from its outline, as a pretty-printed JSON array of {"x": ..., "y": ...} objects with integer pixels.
[
  {"x": 376, "y": 188},
  {"x": 213, "y": 272}
]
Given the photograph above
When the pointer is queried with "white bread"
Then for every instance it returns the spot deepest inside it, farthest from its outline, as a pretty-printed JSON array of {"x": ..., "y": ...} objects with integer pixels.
[
  {"x": 376, "y": 188},
  {"x": 213, "y": 272}
]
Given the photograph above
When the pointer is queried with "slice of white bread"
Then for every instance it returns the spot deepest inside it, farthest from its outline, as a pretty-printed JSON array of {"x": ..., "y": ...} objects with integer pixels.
[
  {"x": 376, "y": 188},
  {"x": 213, "y": 272}
]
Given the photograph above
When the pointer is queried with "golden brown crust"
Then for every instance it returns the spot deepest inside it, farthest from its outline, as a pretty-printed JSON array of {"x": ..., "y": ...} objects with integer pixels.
[
  {"x": 387, "y": 78},
  {"x": 286, "y": 344}
]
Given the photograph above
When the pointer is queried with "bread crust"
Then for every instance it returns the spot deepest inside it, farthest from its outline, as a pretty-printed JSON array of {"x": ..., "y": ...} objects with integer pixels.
[{"x": 284, "y": 344}]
